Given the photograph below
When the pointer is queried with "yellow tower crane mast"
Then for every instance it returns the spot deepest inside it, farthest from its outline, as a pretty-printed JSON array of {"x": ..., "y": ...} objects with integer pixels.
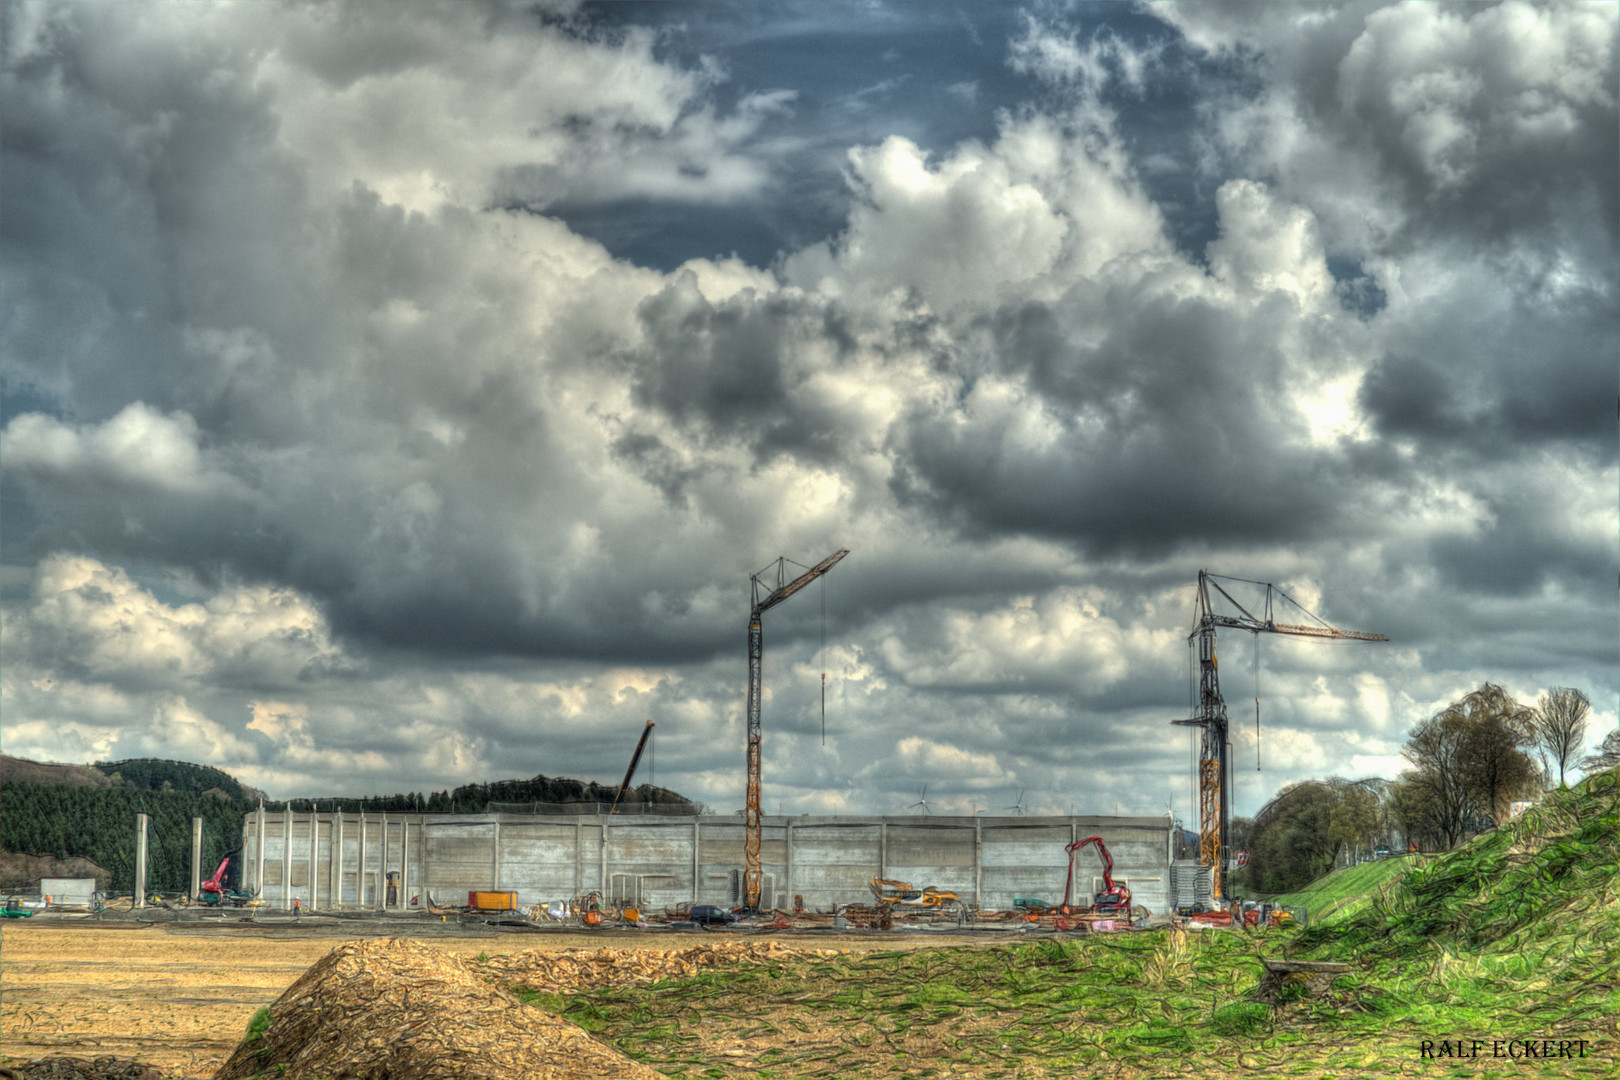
[
  {"x": 765, "y": 596},
  {"x": 1214, "y": 809}
]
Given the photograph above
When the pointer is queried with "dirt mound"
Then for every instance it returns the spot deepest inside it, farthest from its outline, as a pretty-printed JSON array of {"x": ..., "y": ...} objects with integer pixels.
[
  {"x": 400, "y": 1010},
  {"x": 576, "y": 969}
]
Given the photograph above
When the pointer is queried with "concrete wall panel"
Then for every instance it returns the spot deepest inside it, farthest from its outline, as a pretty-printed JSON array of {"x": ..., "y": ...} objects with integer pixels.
[{"x": 832, "y": 859}]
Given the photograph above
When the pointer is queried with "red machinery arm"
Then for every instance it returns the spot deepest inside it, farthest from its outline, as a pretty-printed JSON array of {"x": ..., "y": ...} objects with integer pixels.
[
  {"x": 213, "y": 883},
  {"x": 1108, "y": 867}
]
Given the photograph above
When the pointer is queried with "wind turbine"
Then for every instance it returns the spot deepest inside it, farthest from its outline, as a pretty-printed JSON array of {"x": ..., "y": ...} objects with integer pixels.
[
  {"x": 1017, "y": 807},
  {"x": 922, "y": 801}
]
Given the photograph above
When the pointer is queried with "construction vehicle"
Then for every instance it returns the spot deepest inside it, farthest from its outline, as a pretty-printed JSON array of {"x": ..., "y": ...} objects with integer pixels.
[
  {"x": 900, "y": 894},
  {"x": 763, "y": 599},
  {"x": 1214, "y": 784},
  {"x": 635, "y": 759},
  {"x": 1113, "y": 900},
  {"x": 589, "y": 908},
  {"x": 216, "y": 894}
]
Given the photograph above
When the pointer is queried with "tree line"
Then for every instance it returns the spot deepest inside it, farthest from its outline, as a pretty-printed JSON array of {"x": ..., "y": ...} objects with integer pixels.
[
  {"x": 1469, "y": 763},
  {"x": 99, "y": 824}
]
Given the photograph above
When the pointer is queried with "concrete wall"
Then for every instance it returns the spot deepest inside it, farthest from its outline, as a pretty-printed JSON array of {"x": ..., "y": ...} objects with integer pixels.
[{"x": 664, "y": 861}]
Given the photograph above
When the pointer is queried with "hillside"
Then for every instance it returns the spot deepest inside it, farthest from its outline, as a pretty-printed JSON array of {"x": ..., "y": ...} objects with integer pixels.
[
  {"x": 1550, "y": 876},
  {"x": 155, "y": 774},
  {"x": 1344, "y": 892},
  {"x": 16, "y": 770}
]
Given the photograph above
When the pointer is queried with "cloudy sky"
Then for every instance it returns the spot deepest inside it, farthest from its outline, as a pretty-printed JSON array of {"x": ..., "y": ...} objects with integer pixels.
[{"x": 400, "y": 396}]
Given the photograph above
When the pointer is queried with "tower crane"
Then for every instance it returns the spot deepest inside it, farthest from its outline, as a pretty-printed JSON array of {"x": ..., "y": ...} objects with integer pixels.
[
  {"x": 1210, "y": 714},
  {"x": 764, "y": 598}
]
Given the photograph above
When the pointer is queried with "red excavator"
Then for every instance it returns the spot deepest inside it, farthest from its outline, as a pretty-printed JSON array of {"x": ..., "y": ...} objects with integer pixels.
[
  {"x": 214, "y": 892},
  {"x": 1113, "y": 900}
]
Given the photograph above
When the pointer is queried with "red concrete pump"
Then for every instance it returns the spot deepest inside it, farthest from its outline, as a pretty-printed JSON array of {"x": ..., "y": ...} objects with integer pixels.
[{"x": 1113, "y": 900}]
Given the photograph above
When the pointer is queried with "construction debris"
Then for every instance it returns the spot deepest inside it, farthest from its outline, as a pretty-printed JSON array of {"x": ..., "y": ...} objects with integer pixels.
[{"x": 396, "y": 1009}]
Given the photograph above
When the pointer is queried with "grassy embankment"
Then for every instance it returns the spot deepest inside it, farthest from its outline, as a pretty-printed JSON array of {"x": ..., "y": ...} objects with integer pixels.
[
  {"x": 1515, "y": 936},
  {"x": 1345, "y": 892}
]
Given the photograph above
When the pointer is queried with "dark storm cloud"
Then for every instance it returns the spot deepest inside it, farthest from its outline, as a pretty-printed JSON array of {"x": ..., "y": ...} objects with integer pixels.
[{"x": 344, "y": 455}]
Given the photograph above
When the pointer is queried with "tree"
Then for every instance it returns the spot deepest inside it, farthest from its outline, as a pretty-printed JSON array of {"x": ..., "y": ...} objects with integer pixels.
[
  {"x": 1496, "y": 766},
  {"x": 1469, "y": 761},
  {"x": 1435, "y": 786},
  {"x": 1415, "y": 812},
  {"x": 1297, "y": 836},
  {"x": 1354, "y": 819},
  {"x": 1559, "y": 725},
  {"x": 1608, "y": 755}
]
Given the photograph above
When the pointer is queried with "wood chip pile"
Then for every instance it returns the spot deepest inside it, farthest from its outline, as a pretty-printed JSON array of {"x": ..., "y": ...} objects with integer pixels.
[
  {"x": 73, "y": 1068},
  {"x": 400, "y": 1010},
  {"x": 590, "y": 969}
]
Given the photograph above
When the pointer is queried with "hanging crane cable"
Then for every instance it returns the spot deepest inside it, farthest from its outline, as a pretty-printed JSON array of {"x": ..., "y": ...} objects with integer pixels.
[{"x": 823, "y": 657}]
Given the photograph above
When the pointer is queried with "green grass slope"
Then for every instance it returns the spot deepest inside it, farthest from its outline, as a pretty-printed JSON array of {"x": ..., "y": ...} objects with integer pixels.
[
  {"x": 1551, "y": 876},
  {"x": 1346, "y": 891}
]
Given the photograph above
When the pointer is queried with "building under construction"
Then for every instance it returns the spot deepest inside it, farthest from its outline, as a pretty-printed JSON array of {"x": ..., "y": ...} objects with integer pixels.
[{"x": 406, "y": 861}]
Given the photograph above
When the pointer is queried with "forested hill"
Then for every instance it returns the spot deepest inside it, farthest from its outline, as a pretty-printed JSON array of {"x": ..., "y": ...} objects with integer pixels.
[{"x": 154, "y": 774}]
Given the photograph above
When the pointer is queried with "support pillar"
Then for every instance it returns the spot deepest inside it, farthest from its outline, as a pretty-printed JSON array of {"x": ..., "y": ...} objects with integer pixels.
[
  {"x": 140, "y": 860},
  {"x": 789, "y": 860},
  {"x": 382, "y": 867},
  {"x": 978, "y": 860},
  {"x": 258, "y": 880},
  {"x": 286, "y": 855},
  {"x": 360, "y": 867},
  {"x": 697, "y": 861},
  {"x": 405, "y": 864},
  {"x": 196, "y": 859},
  {"x": 335, "y": 863},
  {"x": 314, "y": 856}
]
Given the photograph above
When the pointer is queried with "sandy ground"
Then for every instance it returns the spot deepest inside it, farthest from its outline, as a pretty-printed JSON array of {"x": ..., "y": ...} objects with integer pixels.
[{"x": 180, "y": 997}]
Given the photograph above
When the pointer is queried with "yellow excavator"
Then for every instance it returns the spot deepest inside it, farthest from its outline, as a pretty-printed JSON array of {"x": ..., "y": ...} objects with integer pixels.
[{"x": 900, "y": 894}]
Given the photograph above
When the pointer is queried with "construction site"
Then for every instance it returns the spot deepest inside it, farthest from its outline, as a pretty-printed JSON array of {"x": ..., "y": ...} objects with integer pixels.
[
  {"x": 645, "y": 869},
  {"x": 594, "y": 942},
  {"x": 661, "y": 867}
]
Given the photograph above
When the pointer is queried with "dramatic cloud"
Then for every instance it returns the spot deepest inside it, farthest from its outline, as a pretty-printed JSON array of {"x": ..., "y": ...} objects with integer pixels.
[{"x": 388, "y": 405}]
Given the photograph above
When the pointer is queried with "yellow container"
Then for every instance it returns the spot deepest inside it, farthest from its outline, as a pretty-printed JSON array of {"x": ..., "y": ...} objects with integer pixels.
[{"x": 492, "y": 901}]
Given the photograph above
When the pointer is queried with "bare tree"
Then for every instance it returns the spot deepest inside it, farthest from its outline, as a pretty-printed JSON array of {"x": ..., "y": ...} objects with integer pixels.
[
  {"x": 1607, "y": 757},
  {"x": 1559, "y": 725}
]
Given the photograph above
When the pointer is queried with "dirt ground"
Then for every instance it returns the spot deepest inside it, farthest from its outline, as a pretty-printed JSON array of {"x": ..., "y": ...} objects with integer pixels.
[{"x": 180, "y": 997}]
